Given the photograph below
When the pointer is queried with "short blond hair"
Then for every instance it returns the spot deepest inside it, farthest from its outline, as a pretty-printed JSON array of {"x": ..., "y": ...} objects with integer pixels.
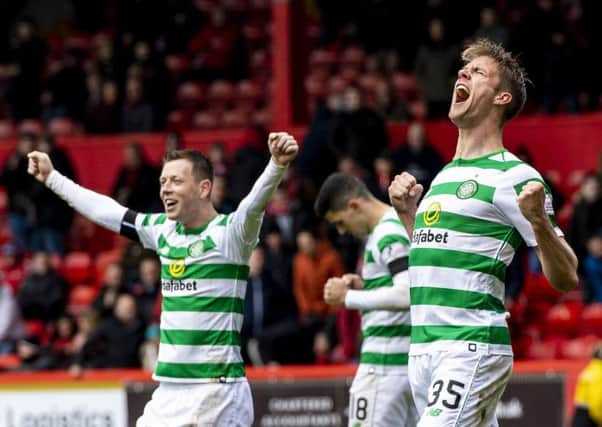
[{"x": 513, "y": 77}]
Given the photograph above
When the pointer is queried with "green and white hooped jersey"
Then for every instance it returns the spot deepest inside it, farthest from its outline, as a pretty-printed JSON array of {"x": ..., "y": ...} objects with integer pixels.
[
  {"x": 203, "y": 279},
  {"x": 386, "y": 334},
  {"x": 467, "y": 229}
]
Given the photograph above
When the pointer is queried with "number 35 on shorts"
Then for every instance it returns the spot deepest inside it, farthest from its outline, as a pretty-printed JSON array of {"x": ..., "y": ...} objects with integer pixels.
[{"x": 445, "y": 393}]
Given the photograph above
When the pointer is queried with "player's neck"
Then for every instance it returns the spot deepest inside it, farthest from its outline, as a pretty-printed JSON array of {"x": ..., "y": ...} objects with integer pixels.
[
  {"x": 377, "y": 210},
  {"x": 202, "y": 216},
  {"x": 478, "y": 141}
]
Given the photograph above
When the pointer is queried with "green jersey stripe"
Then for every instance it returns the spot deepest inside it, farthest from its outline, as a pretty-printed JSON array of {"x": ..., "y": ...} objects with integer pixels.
[
  {"x": 519, "y": 187},
  {"x": 387, "y": 331},
  {"x": 200, "y": 370},
  {"x": 160, "y": 219},
  {"x": 378, "y": 282},
  {"x": 384, "y": 358},
  {"x": 210, "y": 304},
  {"x": 477, "y": 226},
  {"x": 484, "y": 192},
  {"x": 199, "y": 337},
  {"x": 392, "y": 220},
  {"x": 484, "y": 163},
  {"x": 482, "y": 334},
  {"x": 390, "y": 239},
  {"x": 368, "y": 257},
  {"x": 425, "y": 295},
  {"x": 457, "y": 259},
  {"x": 206, "y": 271},
  {"x": 146, "y": 220}
]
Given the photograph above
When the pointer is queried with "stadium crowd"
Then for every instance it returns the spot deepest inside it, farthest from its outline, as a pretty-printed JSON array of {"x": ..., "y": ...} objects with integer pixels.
[{"x": 68, "y": 303}]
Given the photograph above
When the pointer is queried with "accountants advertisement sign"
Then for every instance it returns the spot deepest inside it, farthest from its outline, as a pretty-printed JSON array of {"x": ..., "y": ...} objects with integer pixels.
[{"x": 63, "y": 407}]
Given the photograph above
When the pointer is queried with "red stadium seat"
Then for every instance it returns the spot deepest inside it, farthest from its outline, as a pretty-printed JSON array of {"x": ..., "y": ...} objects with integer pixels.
[
  {"x": 323, "y": 59},
  {"x": 103, "y": 259},
  {"x": 80, "y": 298},
  {"x": 315, "y": 85},
  {"x": 220, "y": 95},
  {"x": 248, "y": 90},
  {"x": 190, "y": 95},
  {"x": 77, "y": 267},
  {"x": 30, "y": 126},
  {"x": 336, "y": 85},
  {"x": 353, "y": 55},
  {"x": 545, "y": 350},
  {"x": 579, "y": 348},
  {"x": 205, "y": 120},
  {"x": 62, "y": 126},
  {"x": 178, "y": 120},
  {"x": 236, "y": 118},
  {"x": 262, "y": 117},
  {"x": 591, "y": 320},
  {"x": 177, "y": 64},
  {"x": 562, "y": 320}
]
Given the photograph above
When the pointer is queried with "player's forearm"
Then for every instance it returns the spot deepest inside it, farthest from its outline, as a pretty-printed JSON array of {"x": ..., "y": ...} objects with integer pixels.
[
  {"x": 251, "y": 208},
  {"x": 558, "y": 260},
  {"x": 408, "y": 219},
  {"x": 100, "y": 209},
  {"x": 387, "y": 298}
]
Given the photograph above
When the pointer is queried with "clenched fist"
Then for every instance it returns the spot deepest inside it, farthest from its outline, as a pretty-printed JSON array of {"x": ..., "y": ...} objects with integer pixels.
[
  {"x": 39, "y": 165},
  {"x": 404, "y": 193},
  {"x": 335, "y": 291},
  {"x": 283, "y": 147},
  {"x": 531, "y": 201}
]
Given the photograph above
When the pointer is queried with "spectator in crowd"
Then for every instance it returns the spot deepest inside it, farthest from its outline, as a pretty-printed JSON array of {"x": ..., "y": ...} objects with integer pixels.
[
  {"x": 587, "y": 215},
  {"x": 137, "y": 114},
  {"x": 111, "y": 288},
  {"x": 61, "y": 341},
  {"x": 67, "y": 85},
  {"x": 592, "y": 269},
  {"x": 12, "y": 268},
  {"x": 116, "y": 342},
  {"x": 313, "y": 264},
  {"x": 219, "y": 195},
  {"x": 86, "y": 322},
  {"x": 218, "y": 158},
  {"x": 34, "y": 356},
  {"x": 43, "y": 295},
  {"x": 358, "y": 132},
  {"x": 559, "y": 76},
  {"x": 147, "y": 287},
  {"x": 27, "y": 58},
  {"x": 173, "y": 141},
  {"x": 278, "y": 255},
  {"x": 417, "y": 156},
  {"x": 435, "y": 69},
  {"x": 248, "y": 163},
  {"x": 21, "y": 211},
  {"x": 12, "y": 328},
  {"x": 381, "y": 176},
  {"x": 54, "y": 220},
  {"x": 137, "y": 184},
  {"x": 104, "y": 116},
  {"x": 269, "y": 315},
  {"x": 490, "y": 27},
  {"x": 588, "y": 394}
]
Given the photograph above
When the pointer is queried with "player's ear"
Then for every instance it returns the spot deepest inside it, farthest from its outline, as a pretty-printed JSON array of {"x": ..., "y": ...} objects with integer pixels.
[
  {"x": 353, "y": 204},
  {"x": 205, "y": 186},
  {"x": 503, "y": 98}
]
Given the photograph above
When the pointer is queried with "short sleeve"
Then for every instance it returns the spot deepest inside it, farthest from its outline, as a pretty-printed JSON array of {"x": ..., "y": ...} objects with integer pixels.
[
  {"x": 505, "y": 200},
  {"x": 147, "y": 227}
]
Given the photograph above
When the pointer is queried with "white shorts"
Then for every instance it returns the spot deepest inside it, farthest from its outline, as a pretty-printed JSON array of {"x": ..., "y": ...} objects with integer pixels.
[
  {"x": 202, "y": 404},
  {"x": 381, "y": 401},
  {"x": 458, "y": 389}
]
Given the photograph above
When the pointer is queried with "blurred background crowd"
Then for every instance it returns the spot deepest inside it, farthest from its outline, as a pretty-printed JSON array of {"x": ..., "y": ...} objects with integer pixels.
[{"x": 72, "y": 296}]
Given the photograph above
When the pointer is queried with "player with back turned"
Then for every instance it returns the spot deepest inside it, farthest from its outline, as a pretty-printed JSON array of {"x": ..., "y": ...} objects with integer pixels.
[
  {"x": 205, "y": 265},
  {"x": 465, "y": 231}
]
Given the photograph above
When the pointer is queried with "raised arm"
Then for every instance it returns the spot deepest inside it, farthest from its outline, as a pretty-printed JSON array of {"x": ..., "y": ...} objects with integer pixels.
[
  {"x": 558, "y": 260},
  {"x": 404, "y": 194},
  {"x": 246, "y": 221},
  {"x": 100, "y": 209}
]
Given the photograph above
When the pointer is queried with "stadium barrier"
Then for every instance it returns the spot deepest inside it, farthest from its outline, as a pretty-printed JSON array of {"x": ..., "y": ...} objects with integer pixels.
[
  {"x": 563, "y": 144},
  {"x": 539, "y": 393}
]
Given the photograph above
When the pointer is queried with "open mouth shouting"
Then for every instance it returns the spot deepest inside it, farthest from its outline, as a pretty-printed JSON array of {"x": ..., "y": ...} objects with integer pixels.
[
  {"x": 170, "y": 204},
  {"x": 461, "y": 93}
]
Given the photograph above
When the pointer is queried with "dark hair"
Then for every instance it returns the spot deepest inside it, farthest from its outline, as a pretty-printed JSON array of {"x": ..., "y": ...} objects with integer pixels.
[
  {"x": 513, "y": 77},
  {"x": 336, "y": 192},
  {"x": 201, "y": 166}
]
